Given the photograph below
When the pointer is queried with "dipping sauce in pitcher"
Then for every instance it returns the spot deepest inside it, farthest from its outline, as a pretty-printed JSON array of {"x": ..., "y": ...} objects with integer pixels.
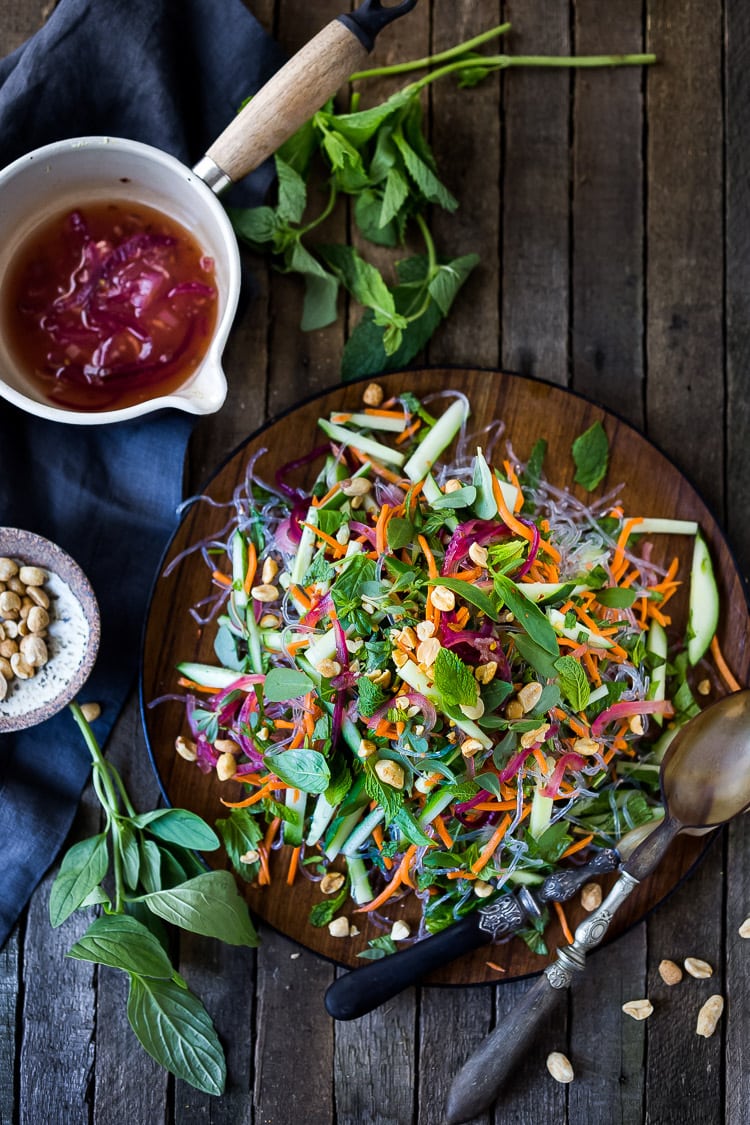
[{"x": 109, "y": 304}]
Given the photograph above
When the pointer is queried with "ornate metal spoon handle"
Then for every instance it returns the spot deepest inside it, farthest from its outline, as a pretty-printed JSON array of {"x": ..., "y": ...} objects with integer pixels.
[
  {"x": 359, "y": 992},
  {"x": 477, "y": 1083}
]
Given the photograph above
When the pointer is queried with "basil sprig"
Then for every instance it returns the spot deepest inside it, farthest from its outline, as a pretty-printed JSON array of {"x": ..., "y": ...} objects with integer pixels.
[{"x": 141, "y": 869}]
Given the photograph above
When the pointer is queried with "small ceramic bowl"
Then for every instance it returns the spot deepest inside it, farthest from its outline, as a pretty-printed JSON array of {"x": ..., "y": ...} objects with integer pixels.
[
  {"x": 69, "y": 174},
  {"x": 73, "y": 633}
]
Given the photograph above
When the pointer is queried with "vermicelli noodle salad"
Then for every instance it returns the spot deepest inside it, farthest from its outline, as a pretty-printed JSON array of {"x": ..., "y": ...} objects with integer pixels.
[{"x": 437, "y": 673}]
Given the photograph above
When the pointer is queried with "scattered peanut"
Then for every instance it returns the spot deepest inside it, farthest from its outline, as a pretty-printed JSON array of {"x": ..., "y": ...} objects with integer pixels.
[
  {"x": 269, "y": 621},
  {"x": 703, "y": 687},
  {"x": 266, "y": 592},
  {"x": 3, "y": 686},
  {"x": 670, "y": 972},
  {"x": 331, "y": 882},
  {"x": 744, "y": 930},
  {"x": 399, "y": 931},
  {"x": 226, "y": 746},
  {"x": 513, "y": 710},
  {"x": 250, "y": 857},
  {"x": 407, "y": 638},
  {"x": 442, "y": 598},
  {"x": 269, "y": 571},
  {"x": 329, "y": 668},
  {"x": 356, "y": 486},
  {"x": 586, "y": 746},
  {"x": 591, "y": 896},
  {"x": 427, "y": 651},
  {"x": 372, "y": 395},
  {"x": 485, "y": 673},
  {"x": 452, "y": 485},
  {"x": 530, "y": 737},
  {"x": 478, "y": 554},
  {"x": 709, "y": 1016},
  {"x": 390, "y": 773},
  {"x": 400, "y": 658},
  {"x": 636, "y": 724},
  {"x": 470, "y": 747},
  {"x": 226, "y": 767},
  {"x": 697, "y": 968},
  {"x": 560, "y": 1067},
  {"x": 481, "y": 888},
  {"x": 473, "y": 710},
  {"x": 425, "y": 629},
  {"x": 529, "y": 695},
  {"x": 10, "y": 603},
  {"x": 638, "y": 1009},
  {"x": 186, "y": 748},
  {"x": 339, "y": 927}
]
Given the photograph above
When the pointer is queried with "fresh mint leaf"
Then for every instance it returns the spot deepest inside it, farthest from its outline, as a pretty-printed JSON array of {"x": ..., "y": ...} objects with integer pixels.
[
  {"x": 400, "y": 533},
  {"x": 454, "y": 680},
  {"x": 123, "y": 943},
  {"x": 370, "y": 696},
  {"x": 394, "y": 196},
  {"x": 323, "y": 912},
  {"x": 423, "y": 175},
  {"x": 304, "y": 769},
  {"x": 368, "y": 212},
  {"x": 321, "y": 289},
  {"x": 82, "y": 869},
  {"x": 282, "y": 684},
  {"x": 449, "y": 278},
  {"x": 391, "y": 800},
  {"x": 174, "y": 1028},
  {"x": 378, "y": 947},
  {"x": 208, "y": 904},
  {"x": 591, "y": 455},
  {"x": 254, "y": 225},
  {"x": 411, "y": 829},
  {"x": 319, "y": 570},
  {"x": 527, "y": 614},
  {"x": 574, "y": 682}
]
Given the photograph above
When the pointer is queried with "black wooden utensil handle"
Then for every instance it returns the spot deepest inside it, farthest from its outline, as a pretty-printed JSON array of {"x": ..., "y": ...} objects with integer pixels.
[
  {"x": 364, "y": 989},
  {"x": 487, "y": 1069}
]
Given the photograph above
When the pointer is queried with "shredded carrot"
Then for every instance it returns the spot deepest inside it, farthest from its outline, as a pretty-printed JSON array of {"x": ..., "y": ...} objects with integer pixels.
[
  {"x": 377, "y": 835},
  {"x": 183, "y": 681},
  {"x": 264, "y": 791},
  {"x": 489, "y": 849},
  {"x": 323, "y": 499},
  {"x": 337, "y": 548},
  {"x": 380, "y": 529},
  {"x": 222, "y": 579},
  {"x": 252, "y": 567},
  {"x": 443, "y": 832},
  {"x": 495, "y": 966},
  {"x": 723, "y": 667},
  {"x": 377, "y": 468},
  {"x": 390, "y": 889},
  {"x": 567, "y": 932},
  {"x": 293, "y": 863},
  {"x": 619, "y": 562},
  {"x": 515, "y": 525},
  {"x": 432, "y": 569},
  {"x": 300, "y": 596},
  {"x": 578, "y": 846},
  {"x": 513, "y": 478},
  {"x": 405, "y": 865},
  {"x": 408, "y": 432},
  {"x": 380, "y": 412}
]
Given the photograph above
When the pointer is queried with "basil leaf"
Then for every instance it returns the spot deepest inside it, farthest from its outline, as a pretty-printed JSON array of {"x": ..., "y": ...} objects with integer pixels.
[
  {"x": 413, "y": 831},
  {"x": 573, "y": 682},
  {"x": 150, "y": 866},
  {"x": 240, "y": 833},
  {"x": 208, "y": 904},
  {"x": 178, "y": 826},
  {"x": 285, "y": 683},
  {"x": 124, "y": 943},
  {"x": 591, "y": 455},
  {"x": 400, "y": 533},
  {"x": 540, "y": 660},
  {"x": 617, "y": 597},
  {"x": 469, "y": 593},
  {"x": 460, "y": 498},
  {"x": 82, "y": 869},
  {"x": 175, "y": 1029},
  {"x": 304, "y": 769},
  {"x": 529, "y": 616}
]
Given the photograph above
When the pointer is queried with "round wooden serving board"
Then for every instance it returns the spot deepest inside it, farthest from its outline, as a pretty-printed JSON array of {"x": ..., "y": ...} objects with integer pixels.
[{"x": 651, "y": 486}]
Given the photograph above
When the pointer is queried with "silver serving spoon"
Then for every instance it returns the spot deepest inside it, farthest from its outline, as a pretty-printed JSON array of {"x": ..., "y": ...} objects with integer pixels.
[{"x": 705, "y": 781}]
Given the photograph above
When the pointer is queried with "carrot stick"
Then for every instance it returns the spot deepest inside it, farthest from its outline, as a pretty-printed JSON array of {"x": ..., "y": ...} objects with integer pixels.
[
  {"x": 293, "y": 863},
  {"x": 723, "y": 667},
  {"x": 377, "y": 835},
  {"x": 432, "y": 569},
  {"x": 334, "y": 544},
  {"x": 252, "y": 566},
  {"x": 567, "y": 932},
  {"x": 489, "y": 849},
  {"x": 577, "y": 846},
  {"x": 443, "y": 832},
  {"x": 384, "y": 895},
  {"x": 515, "y": 525},
  {"x": 221, "y": 579}
]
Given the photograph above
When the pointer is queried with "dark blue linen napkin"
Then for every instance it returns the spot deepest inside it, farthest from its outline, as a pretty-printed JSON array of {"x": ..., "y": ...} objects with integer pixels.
[{"x": 171, "y": 73}]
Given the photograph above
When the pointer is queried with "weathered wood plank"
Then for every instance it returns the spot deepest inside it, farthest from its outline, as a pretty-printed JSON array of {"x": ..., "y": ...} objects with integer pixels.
[
  {"x": 465, "y": 132},
  {"x": 737, "y": 196},
  {"x": 117, "y": 1081},
  {"x": 452, "y": 1023},
  {"x": 535, "y": 156},
  {"x": 59, "y": 1008},
  {"x": 737, "y": 990},
  {"x": 9, "y": 1040},
  {"x": 294, "y": 1060},
  {"x": 375, "y": 1065},
  {"x": 607, "y": 1049},
  {"x": 607, "y": 215},
  {"x": 533, "y": 1095},
  {"x": 685, "y": 269},
  {"x": 683, "y": 1070}
]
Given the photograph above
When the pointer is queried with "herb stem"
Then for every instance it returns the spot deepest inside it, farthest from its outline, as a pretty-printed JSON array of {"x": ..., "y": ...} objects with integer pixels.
[
  {"x": 431, "y": 60},
  {"x": 503, "y": 62},
  {"x": 332, "y": 197}
]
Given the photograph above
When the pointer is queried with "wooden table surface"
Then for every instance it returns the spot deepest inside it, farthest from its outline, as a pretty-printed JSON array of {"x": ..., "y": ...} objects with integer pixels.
[{"x": 610, "y": 210}]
